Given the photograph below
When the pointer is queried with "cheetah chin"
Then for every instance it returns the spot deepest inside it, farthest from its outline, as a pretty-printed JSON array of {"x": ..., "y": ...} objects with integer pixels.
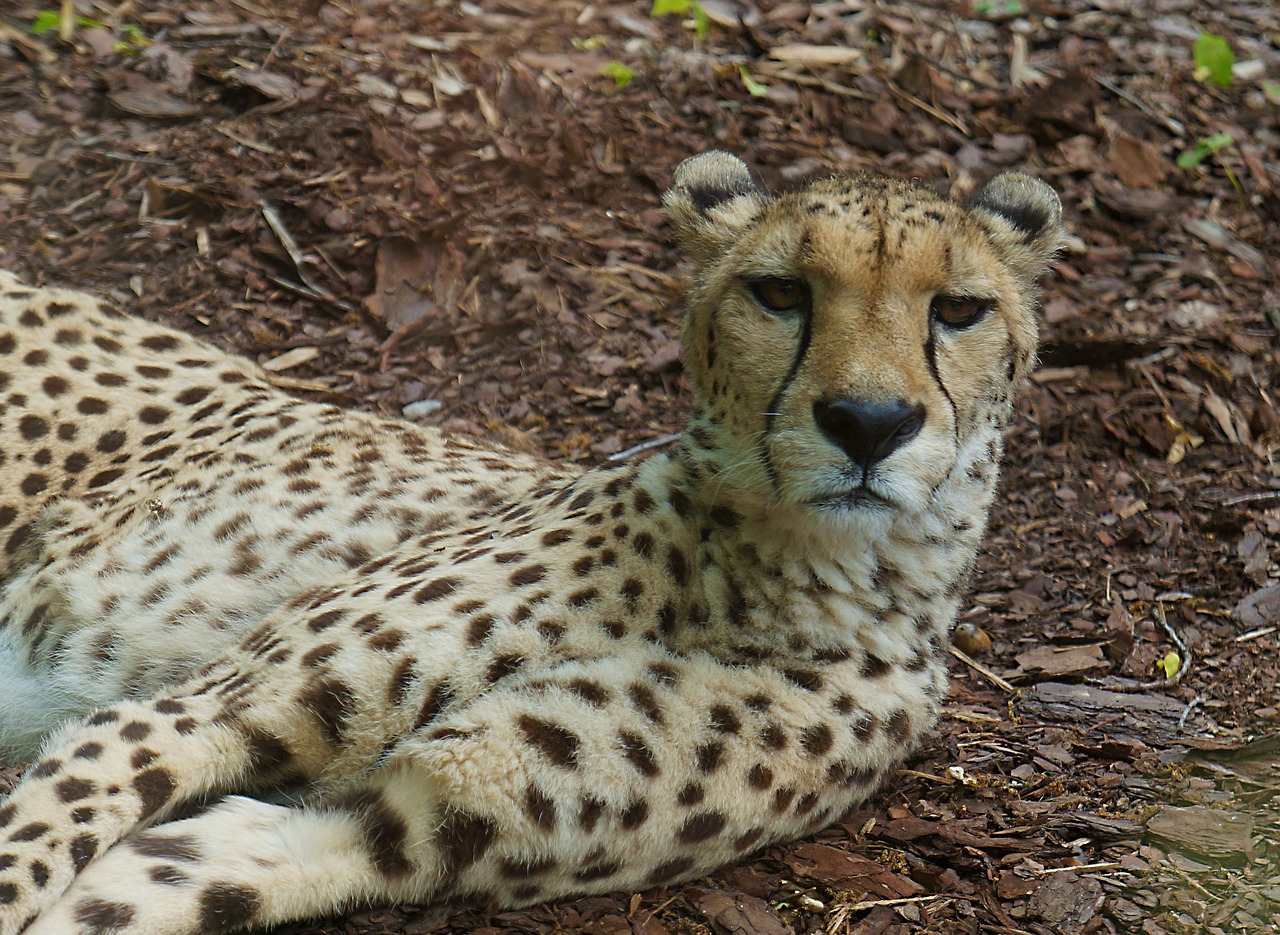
[{"x": 273, "y": 659}]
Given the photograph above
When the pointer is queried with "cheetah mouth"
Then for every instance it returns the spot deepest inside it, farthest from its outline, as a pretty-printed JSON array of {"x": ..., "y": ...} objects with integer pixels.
[{"x": 859, "y": 498}]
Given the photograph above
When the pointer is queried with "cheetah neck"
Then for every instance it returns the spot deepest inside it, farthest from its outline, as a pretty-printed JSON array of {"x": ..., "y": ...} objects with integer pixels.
[{"x": 767, "y": 575}]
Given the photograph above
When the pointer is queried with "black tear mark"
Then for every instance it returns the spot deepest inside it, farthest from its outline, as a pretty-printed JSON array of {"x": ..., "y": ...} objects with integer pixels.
[
  {"x": 771, "y": 414},
  {"x": 931, "y": 355}
]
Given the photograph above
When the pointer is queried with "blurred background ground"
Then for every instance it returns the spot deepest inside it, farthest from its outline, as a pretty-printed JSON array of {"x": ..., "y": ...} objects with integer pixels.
[{"x": 454, "y": 207}]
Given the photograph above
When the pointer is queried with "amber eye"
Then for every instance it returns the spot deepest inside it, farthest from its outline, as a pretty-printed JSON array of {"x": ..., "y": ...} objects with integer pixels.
[
  {"x": 777, "y": 294},
  {"x": 959, "y": 311}
]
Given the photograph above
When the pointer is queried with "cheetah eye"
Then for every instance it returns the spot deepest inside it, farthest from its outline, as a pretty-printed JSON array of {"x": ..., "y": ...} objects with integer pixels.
[
  {"x": 959, "y": 312},
  {"x": 778, "y": 295}
]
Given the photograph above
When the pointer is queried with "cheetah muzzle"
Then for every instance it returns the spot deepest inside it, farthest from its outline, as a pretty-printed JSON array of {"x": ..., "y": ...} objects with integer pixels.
[{"x": 272, "y": 659}]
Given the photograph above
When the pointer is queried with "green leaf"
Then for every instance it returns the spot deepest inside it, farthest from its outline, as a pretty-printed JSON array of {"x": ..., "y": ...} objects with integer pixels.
[
  {"x": 1203, "y": 149},
  {"x": 1213, "y": 58},
  {"x": 701, "y": 24},
  {"x": 755, "y": 88},
  {"x": 1170, "y": 665},
  {"x": 620, "y": 74},
  {"x": 663, "y": 7},
  {"x": 1003, "y": 8},
  {"x": 45, "y": 21},
  {"x": 1272, "y": 90}
]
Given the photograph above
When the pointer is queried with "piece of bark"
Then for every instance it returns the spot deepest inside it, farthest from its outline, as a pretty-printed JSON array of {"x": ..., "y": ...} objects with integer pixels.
[{"x": 1202, "y": 832}]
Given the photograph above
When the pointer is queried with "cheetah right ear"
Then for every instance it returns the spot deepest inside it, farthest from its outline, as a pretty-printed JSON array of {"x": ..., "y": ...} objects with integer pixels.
[
  {"x": 711, "y": 201},
  {"x": 1023, "y": 216}
]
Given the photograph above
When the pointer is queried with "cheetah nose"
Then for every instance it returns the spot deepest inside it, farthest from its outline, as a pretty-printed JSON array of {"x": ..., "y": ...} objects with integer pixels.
[{"x": 868, "y": 431}]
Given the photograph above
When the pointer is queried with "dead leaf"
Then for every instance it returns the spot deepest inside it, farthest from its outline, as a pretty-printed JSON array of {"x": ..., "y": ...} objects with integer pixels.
[
  {"x": 152, "y": 100},
  {"x": 413, "y": 276},
  {"x": 270, "y": 84},
  {"x": 1061, "y": 661},
  {"x": 740, "y": 914},
  {"x": 291, "y": 358},
  {"x": 1137, "y": 163},
  {"x": 845, "y": 871},
  {"x": 803, "y": 54}
]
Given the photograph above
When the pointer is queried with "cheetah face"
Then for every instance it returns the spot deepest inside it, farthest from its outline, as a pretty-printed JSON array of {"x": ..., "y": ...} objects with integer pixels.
[{"x": 856, "y": 343}]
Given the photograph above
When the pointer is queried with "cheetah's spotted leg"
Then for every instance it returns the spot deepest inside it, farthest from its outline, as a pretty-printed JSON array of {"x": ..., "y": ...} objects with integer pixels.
[
  {"x": 124, "y": 768},
  {"x": 241, "y": 861}
]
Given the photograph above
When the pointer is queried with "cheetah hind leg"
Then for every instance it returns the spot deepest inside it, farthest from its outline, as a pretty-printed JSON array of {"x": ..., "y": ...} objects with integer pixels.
[{"x": 242, "y": 862}]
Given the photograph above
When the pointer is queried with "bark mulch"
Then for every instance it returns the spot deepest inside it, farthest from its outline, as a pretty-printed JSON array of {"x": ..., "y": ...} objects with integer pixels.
[{"x": 446, "y": 206}]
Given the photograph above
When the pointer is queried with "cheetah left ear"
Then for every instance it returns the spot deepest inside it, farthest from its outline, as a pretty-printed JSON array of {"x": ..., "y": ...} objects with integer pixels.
[
  {"x": 1023, "y": 216},
  {"x": 712, "y": 201}
]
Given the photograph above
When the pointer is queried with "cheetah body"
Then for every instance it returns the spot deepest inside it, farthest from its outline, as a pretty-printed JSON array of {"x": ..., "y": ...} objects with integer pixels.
[{"x": 474, "y": 673}]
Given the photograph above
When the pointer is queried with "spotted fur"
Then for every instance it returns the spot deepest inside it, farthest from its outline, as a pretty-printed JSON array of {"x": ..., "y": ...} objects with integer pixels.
[{"x": 273, "y": 659}]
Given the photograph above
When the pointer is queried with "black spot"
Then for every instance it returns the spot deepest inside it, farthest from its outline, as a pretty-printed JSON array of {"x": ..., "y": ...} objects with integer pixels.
[
  {"x": 691, "y": 794},
  {"x": 634, "y": 815},
  {"x": 873, "y": 667},
  {"x": 72, "y": 790},
  {"x": 590, "y": 813},
  {"x": 101, "y": 917},
  {"x": 332, "y": 702},
  {"x": 464, "y": 839},
  {"x": 44, "y": 769},
  {"x": 435, "y": 590},
  {"x": 669, "y": 871},
  {"x": 760, "y": 777},
  {"x": 724, "y": 720},
  {"x": 593, "y": 693},
  {"x": 540, "y": 808},
  {"x": 558, "y": 744},
  {"x": 178, "y": 847},
  {"x": 529, "y": 574},
  {"x": 29, "y": 832},
  {"x": 817, "y": 739},
  {"x": 638, "y": 753},
  {"x": 805, "y": 678},
  {"x": 226, "y": 906},
  {"x": 167, "y": 875},
  {"x": 385, "y": 831},
  {"x": 710, "y": 757},
  {"x": 135, "y": 731},
  {"x": 700, "y": 827},
  {"x": 436, "y": 702},
  {"x": 598, "y": 871},
  {"x": 154, "y": 787}
]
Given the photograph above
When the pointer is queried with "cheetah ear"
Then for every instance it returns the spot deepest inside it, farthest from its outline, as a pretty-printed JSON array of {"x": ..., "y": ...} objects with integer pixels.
[
  {"x": 1023, "y": 216},
  {"x": 711, "y": 201}
]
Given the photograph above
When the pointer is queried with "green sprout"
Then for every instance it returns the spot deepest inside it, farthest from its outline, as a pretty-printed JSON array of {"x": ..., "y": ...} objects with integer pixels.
[
  {"x": 998, "y": 8},
  {"x": 701, "y": 24},
  {"x": 620, "y": 74},
  {"x": 1214, "y": 59},
  {"x": 754, "y": 88},
  {"x": 1203, "y": 149}
]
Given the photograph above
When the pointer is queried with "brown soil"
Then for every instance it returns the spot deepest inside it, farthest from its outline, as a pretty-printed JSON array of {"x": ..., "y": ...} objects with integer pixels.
[{"x": 401, "y": 200}]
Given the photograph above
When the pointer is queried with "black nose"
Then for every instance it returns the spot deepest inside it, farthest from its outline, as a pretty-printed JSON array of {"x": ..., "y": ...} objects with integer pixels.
[{"x": 868, "y": 431}]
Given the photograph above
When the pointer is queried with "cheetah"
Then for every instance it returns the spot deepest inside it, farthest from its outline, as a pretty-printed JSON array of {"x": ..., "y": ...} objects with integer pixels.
[{"x": 272, "y": 659}]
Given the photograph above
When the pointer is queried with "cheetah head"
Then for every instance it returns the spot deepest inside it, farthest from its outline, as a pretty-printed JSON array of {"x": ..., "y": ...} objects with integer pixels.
[{"x": 856, "y": 343}]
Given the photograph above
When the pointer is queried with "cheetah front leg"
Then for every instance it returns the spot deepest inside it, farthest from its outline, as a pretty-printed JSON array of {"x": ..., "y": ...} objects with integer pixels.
[
  {"x": 240, "y": 862},
  {"x": 153, "y": 755}
]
